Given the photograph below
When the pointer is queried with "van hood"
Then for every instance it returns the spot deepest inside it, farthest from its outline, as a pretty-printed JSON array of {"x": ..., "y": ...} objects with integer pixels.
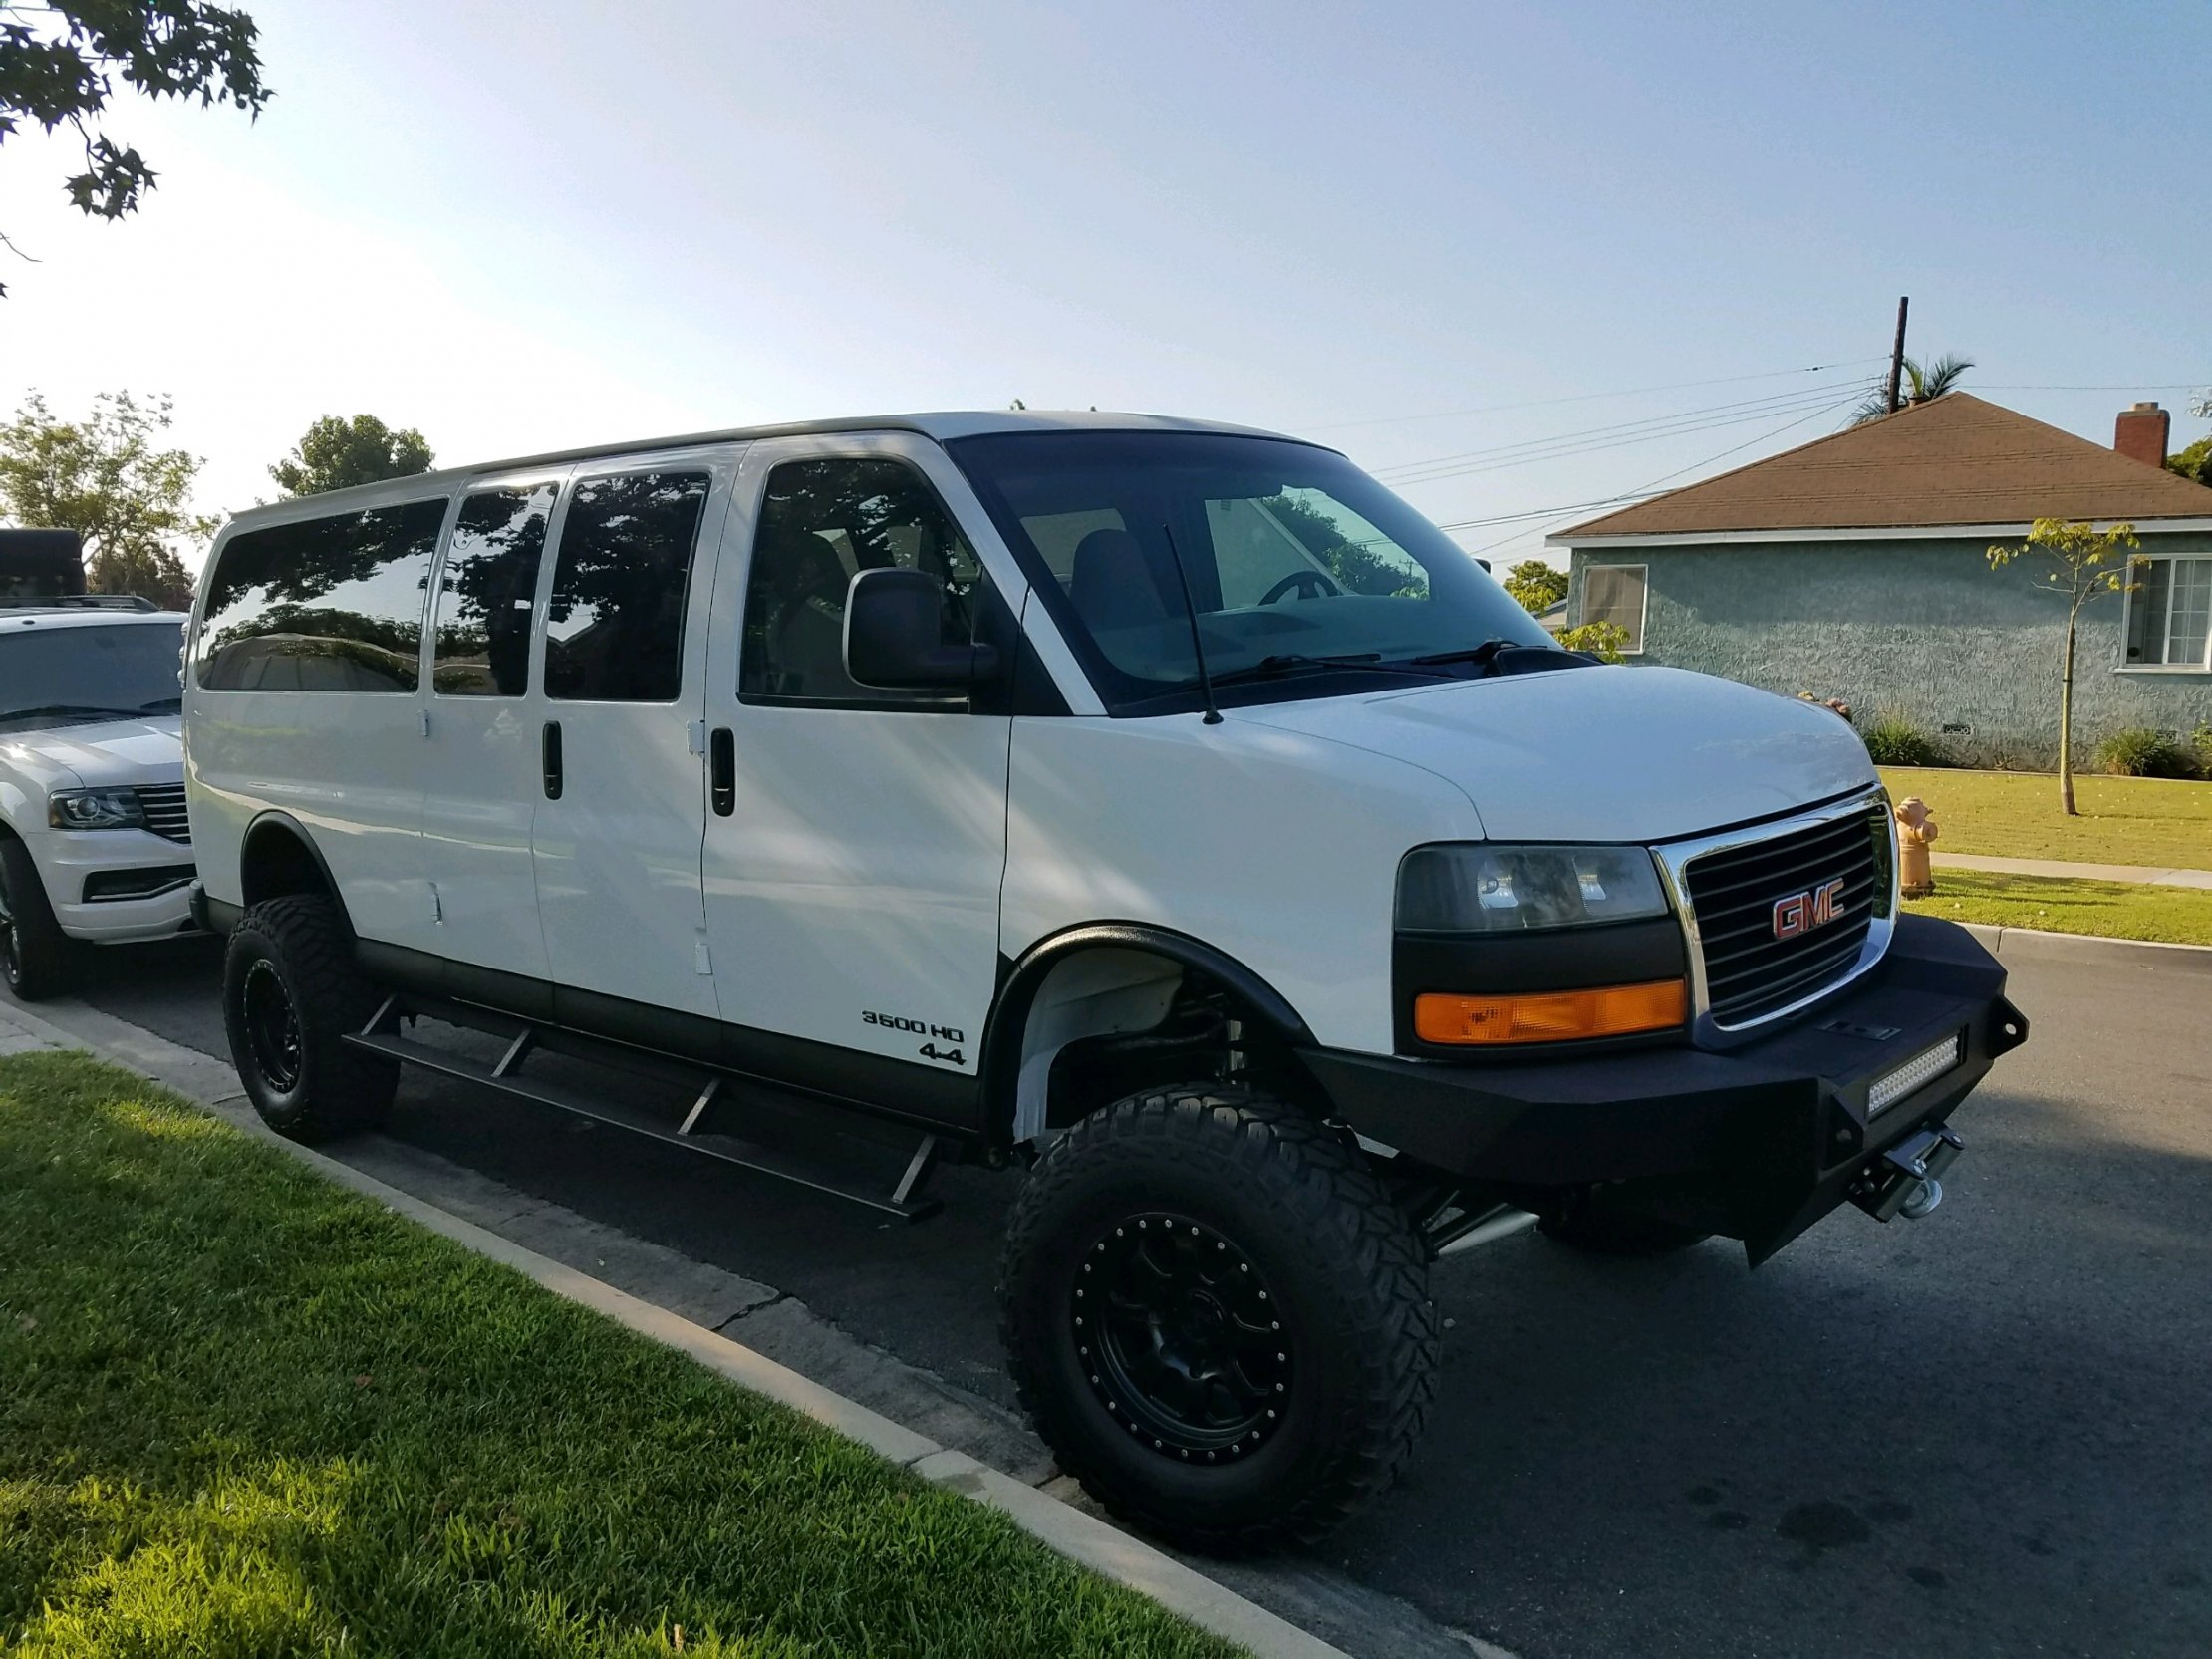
[
  {"x": 98, "y": 753},
  {"x": 1616, "y": 753}
]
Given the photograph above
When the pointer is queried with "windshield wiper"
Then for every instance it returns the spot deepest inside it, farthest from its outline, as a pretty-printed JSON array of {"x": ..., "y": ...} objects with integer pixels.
[
  {"x": 1291, "y": 662},
  {"x": 1476, "y": 654}
]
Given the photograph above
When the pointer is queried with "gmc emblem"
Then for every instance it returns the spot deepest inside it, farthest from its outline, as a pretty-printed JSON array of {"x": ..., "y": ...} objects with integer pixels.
[{"x": 1801, "y": 913}]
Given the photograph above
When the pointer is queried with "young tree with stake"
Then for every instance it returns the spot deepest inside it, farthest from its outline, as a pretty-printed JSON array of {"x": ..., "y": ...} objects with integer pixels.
[{"x": 2080, "y": 564}]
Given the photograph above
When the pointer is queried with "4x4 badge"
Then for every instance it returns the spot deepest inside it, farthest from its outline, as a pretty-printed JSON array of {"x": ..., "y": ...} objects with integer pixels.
[{"x": 1816, "y": 907}]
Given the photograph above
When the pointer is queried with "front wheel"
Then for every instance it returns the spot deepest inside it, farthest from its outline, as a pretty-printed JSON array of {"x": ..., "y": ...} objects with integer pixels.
[
  {"x": 1218, "y": 1318},
  {"x": 291, "y": 994},
  {"x": 34, "y": 952}
]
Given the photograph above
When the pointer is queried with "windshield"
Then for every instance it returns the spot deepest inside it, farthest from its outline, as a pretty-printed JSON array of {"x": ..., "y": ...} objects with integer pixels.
[
  {"x": 59, "y": 673},
  {"x": 1293, "y": 557}
]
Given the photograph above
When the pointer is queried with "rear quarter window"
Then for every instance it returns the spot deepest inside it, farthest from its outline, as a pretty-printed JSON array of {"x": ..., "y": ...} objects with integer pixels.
[{"x": 329, "y": 604}]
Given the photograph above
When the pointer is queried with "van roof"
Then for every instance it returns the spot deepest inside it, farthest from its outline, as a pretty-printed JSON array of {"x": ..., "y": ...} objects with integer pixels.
[{"x": 942, "y": 426}]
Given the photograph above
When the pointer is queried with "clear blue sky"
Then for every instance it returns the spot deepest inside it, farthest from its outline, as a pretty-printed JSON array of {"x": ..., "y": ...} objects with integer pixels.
[{"x": 519, "y": 227}]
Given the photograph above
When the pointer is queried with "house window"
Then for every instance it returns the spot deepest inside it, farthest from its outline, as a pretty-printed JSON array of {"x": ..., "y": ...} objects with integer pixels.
[
  {"x": 1615, "y": 593},
  {"x": 2169, "y": 614}
]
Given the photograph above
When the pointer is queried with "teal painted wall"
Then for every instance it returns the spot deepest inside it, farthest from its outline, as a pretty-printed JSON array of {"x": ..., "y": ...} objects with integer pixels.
[{"x": 1921, "y": 628}]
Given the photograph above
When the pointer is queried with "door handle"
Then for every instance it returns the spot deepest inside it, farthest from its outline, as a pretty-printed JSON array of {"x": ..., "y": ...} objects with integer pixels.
[
  {"x": 721, "y": 771},
  {"x": 549, "y": 754}
]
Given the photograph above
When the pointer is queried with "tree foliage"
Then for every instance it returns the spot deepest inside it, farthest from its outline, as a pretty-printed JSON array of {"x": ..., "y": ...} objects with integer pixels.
[
  {"x": 60, "y": 61},
  {"x": 2194, "y": 463},
  {"x": 337, "y": 454},
  {"x": 1606, "y": 640},
  {"x": 108, "y": 477},
  {"x": 1536, "y": 585},
  {"x": 2080, "y": 564},
  {"x": 1919, "y": 383}
]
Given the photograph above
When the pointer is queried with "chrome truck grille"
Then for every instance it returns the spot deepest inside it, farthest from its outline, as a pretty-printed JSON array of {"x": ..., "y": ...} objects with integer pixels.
[
  {"x": 1779, "y": 914},
  {"x": 164, "y": 806}
]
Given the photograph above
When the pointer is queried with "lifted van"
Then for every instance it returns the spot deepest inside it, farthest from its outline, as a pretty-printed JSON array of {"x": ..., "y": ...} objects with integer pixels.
[{"x": 1162, "y": 805}]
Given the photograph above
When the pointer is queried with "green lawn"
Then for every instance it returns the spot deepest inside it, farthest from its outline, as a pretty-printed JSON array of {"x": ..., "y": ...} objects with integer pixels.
[
  {"x": 243, "y": 1412},
  {"x": 2110, "y": 910},
  {"x": 2124, "y": 820}
]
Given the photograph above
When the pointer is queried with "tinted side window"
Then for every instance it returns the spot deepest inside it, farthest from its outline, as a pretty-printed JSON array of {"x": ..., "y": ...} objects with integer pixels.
[
  {"x": 483, "y": 635},
  {"x": 614, "y": 631},
  {"x": 326, "y": 605},
  {"x": 821, "y": 523}
]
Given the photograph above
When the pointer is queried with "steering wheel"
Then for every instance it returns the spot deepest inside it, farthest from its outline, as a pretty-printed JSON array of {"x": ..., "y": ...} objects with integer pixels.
[{"x": 1310, "y": 584}]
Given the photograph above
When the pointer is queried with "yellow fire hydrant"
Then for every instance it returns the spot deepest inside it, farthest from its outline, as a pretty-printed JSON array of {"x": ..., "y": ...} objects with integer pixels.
[{"x": 1915, "y": 829}]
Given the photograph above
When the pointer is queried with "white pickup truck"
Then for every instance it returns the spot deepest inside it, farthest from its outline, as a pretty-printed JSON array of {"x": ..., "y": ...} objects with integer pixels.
[{"x": 93, "y": 840}]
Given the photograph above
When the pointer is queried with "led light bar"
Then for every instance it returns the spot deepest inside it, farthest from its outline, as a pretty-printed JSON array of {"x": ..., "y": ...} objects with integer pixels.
[{"x": 1923, "y": 1067}]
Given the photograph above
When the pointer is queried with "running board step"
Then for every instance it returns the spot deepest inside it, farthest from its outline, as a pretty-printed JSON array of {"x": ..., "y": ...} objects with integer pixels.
[{"x": 904, "y": 1199}]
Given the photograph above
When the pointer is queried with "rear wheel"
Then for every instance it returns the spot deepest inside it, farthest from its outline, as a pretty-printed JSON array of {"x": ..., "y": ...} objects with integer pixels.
[
  {"x": 291, "y": 993},
  {"x": 34, "y": 952},
  {"x": 1218, "y": 1318}
]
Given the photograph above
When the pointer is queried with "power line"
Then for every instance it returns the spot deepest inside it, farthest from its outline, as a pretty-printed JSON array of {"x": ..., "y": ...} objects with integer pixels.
[
  {"x": 2132, "y": 385},
  {"x": 1587, "y": 447},
  {"x": 1643, "y": 490},
  {"x": 1775, "y": 401},
  {"x": 1587, "y": 397}
]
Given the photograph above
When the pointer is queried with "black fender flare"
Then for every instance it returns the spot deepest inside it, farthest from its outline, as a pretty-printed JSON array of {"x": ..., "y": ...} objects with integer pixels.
[
  {"x": 999, "y": 1066},
  {"x": 272, "y": 821}
]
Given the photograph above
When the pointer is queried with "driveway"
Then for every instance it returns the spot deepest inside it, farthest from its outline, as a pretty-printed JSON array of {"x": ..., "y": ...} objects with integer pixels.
[{"x": 1983, "y": 1433}]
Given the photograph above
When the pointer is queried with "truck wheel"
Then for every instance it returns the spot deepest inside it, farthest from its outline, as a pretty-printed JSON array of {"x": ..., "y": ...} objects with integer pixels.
[
  {"x": 34, "y": 952},
  {"x": 291, "y": 992},
  {"x": 1218, "y": 1318},
  {"x": 1600, "y": 1232}
]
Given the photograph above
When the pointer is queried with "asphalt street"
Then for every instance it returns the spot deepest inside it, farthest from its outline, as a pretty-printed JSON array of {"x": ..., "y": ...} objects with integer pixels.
[{"x": 1985, "y": 1432}]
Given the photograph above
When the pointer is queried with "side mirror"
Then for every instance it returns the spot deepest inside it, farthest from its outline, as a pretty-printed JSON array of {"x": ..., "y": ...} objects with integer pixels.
[{"x": 894, "y": 635}]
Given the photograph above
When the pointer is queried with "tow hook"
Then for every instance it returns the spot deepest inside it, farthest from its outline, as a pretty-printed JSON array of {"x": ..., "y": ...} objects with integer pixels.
[{"x": 1904, "y": 1181}]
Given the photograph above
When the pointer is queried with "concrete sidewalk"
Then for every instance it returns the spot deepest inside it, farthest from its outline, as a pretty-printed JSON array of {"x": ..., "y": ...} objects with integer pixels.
[{"x": 2146, "y": 875}]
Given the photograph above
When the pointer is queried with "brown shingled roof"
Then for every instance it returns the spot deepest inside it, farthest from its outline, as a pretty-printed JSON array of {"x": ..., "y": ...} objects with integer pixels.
[{"x": 1956, "y": 460}]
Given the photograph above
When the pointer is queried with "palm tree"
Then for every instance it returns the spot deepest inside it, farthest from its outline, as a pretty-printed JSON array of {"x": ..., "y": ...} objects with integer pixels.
[{"x": 1918, "y": 385}]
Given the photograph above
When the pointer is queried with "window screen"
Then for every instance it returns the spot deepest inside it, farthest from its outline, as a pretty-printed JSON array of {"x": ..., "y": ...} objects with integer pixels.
[
  {"x": 490, "y": 581},
  {"x": 613, "y": 629},
  {"x": 821, "y": 523},
  {"x": 2169, "y": 614},
  {"x": 325, "y": 605},
  {"x": 1615, "y": 593}
]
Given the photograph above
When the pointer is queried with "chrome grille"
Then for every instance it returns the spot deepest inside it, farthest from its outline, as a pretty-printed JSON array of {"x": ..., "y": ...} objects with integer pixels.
[
  {"x": 164, "y": 806},
  {"x": 1749, "y": 973}
]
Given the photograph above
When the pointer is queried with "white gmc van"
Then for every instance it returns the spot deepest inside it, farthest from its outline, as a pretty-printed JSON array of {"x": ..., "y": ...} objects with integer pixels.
[{"x": 1164, "y": 805}]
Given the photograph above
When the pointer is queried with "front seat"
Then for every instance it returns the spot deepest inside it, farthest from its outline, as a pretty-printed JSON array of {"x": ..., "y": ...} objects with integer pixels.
[
  {"x": 811, "y": 625},
  {"x": 1112, "y": 583}
]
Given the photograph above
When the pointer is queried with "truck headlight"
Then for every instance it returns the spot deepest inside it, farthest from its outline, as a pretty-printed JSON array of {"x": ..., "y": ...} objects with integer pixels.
[
  {"x": 93, "y": 809},
  {"x": 1481, "y": 888}
]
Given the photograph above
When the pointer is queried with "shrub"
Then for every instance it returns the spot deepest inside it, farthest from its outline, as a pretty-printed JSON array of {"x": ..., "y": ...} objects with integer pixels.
[
  {"x": 1601, "y": 639},
  {"x": 2139, "y": 751},
  {"x": 1894, "y": 740}
]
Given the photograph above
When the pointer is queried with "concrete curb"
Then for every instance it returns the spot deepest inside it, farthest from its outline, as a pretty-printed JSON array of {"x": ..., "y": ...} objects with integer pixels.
[
  {"x": 1068, "y": 1531},
  {"x": 2038, "y": 943}
]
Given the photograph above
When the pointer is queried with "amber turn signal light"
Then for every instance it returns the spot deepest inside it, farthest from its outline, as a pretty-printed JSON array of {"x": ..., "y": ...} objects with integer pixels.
[{"x": 1550, "y": 1015}]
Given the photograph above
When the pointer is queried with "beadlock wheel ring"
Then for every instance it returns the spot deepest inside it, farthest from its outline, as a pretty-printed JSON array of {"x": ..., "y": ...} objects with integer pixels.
[{"x": 1182, "y": 1338}]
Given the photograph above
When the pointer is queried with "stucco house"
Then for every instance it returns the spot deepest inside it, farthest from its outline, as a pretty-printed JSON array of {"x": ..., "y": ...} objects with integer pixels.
[{"x": 1857, "y": 567}]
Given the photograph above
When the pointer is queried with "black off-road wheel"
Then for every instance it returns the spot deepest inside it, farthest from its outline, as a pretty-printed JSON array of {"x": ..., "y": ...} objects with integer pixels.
[
  {"x": 1580, "y": 1225},
  {"x": 1218, "y": 1318},
  {"x": 291, "y": 993},
  {"x": 34, "y": 952}
]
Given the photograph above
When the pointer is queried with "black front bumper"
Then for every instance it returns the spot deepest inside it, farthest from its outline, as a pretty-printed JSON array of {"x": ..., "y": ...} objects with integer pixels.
[{"x": 1758, "y": 1142}]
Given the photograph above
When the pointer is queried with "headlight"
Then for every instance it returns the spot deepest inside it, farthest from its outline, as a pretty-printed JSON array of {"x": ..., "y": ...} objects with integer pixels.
[
  {"x": 93, "y": 809},
  {"x": 1481, "y": 888}
]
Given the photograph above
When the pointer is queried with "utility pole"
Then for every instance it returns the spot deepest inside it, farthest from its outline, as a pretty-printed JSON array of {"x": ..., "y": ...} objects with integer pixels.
[{"x": 1897, "y": 354}]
